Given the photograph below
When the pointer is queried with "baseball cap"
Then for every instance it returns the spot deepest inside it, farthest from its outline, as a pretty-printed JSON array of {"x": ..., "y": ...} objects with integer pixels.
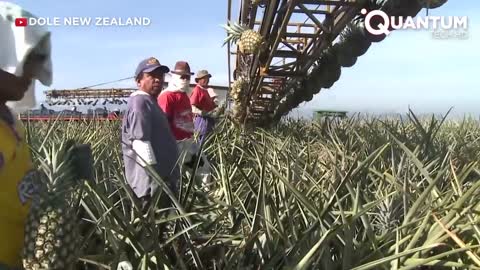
[{"x": 150, "y": 64}]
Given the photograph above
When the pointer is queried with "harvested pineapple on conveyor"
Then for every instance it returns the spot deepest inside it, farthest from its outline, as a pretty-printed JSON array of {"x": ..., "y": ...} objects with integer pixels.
[
  {"x": 248, "y": 40},
  {"x": 237, "y": 88}
]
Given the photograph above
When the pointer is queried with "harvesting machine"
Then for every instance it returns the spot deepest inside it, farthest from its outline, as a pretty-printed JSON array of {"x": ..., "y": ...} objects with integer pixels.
[
  {"x": 280, "y": 54},
  {"x": 283, "y": 52}
]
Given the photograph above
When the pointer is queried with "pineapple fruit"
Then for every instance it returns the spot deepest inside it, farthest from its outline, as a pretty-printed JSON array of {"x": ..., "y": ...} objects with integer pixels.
[
  {"x": 248, "y": 40},
  {"x": 51, "y": 232},
  {"x": 237, "y": 88}
]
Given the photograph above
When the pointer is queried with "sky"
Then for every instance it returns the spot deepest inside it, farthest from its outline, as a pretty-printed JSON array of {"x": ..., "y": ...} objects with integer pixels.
[{"x": 408, "y": 69}]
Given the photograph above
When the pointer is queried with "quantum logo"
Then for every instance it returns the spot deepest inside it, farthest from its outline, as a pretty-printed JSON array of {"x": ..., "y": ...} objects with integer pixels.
[{"x": 399, "y": 22}]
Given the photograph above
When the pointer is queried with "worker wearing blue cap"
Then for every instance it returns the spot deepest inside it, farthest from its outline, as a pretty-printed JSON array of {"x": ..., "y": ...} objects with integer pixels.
[{"x": 146, "y": 136}]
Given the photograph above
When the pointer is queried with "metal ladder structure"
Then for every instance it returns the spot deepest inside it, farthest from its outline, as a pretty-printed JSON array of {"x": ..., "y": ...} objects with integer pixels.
[
  {"x": 296, "y": 32},
  {"x": 288, "y": 70}
]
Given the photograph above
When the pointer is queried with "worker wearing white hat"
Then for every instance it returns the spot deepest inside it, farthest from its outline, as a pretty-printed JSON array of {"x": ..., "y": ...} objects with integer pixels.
[{"x": 24, "y": 58}]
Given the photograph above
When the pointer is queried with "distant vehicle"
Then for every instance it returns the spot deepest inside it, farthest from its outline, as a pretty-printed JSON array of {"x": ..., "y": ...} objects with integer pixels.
[{"x": 329, "y": 114}]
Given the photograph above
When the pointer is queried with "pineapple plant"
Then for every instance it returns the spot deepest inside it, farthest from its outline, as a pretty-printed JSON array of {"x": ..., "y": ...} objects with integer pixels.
[
  {"x": 249, "y": 41},
  {"x": 51, "y": 232},
  {"x": 301, "y": 152}
]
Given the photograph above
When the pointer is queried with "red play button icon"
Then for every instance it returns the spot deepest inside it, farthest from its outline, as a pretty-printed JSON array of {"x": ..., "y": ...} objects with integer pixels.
[{"x": 21, "y": 22}]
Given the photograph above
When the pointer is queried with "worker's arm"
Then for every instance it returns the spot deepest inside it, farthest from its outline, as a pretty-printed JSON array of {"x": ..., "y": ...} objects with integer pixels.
[
  {"x": 213, "y": 113},
  {"x": 196, "y": 110},
  {"x": 140, "y": 130},
  {"x": 195, "y": 100}
]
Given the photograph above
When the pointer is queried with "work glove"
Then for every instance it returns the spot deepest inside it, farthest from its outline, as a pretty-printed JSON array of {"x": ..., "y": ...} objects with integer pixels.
[
  {"x": 220, "y": 110},
  {"x": 125, "y": 265},
  {"x": 206, "y": 114},
  {"x": 215, "y": 113}
]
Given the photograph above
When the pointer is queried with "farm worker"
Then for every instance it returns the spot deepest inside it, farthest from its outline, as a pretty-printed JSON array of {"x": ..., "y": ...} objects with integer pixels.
[
  {"x": 203, "y": 105},
  {"x": 175, "y": 102},
  {"x": 205, "y": 111},
  {"x": 24, "y": 58},
  {"x": 146, "y": 136}
]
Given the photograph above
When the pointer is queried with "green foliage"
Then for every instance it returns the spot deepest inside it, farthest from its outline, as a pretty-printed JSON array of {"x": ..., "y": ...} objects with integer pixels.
[{"x": 335, "y": 194}]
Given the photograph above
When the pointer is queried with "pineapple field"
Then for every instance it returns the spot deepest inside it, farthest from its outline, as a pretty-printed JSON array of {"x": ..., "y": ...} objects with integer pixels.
[{"x": 356, "y": 193}]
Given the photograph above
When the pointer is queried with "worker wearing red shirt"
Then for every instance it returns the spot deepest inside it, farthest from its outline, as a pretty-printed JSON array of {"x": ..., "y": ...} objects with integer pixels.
[
  {"x": 203, "y": 105},
  {"x": 175, "y": 103}
]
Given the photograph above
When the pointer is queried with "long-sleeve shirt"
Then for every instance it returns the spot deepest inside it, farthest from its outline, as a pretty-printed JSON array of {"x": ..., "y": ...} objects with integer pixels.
[{"x": 145, "y": 121}]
